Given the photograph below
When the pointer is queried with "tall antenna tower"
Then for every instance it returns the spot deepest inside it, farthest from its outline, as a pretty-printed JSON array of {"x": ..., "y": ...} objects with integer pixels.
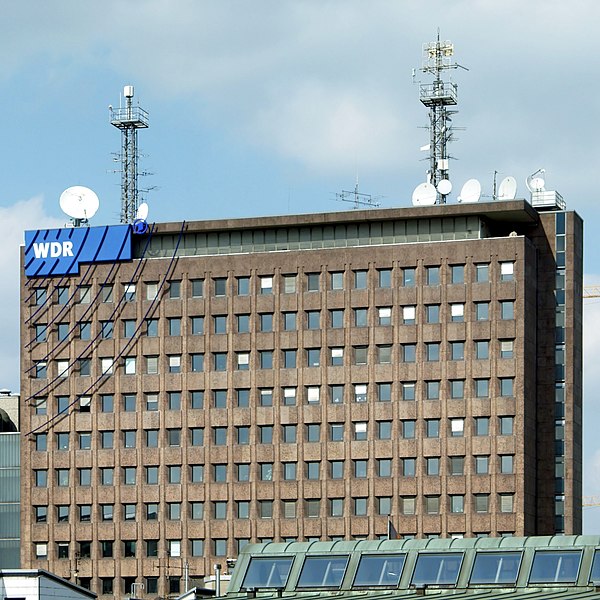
[
  {"x": 437, "y": 97},
  {"x": 129, "y": 119}
]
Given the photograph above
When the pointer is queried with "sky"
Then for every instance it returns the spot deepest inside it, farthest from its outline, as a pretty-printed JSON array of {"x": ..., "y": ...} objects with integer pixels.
[{"x": 274, "y": 106}]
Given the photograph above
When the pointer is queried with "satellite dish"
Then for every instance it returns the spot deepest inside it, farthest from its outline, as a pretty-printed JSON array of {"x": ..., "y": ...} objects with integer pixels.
[
  {"x": 507, "y": 189},
  {"x": 425, "y": 194},
  {"x": 536, "y": 182},
  {"x": 142, "y": 211},
  {"x": 79, "y": 202},
  {"x": 444, "y": 187},
  {"x": 470, "y": 192}
]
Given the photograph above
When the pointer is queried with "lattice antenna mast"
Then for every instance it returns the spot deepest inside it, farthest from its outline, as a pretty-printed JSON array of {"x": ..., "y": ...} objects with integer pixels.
[
  {"x": 438, "y": 96},
  {"x": 129, "y": 119},
  {"x": 357, "y": 198}
]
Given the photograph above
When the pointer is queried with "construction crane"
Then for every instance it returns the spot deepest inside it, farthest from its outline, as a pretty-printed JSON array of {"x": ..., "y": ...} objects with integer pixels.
[
  {"x": 591, "y": 291},
  {"x": 588, "y": 501}
]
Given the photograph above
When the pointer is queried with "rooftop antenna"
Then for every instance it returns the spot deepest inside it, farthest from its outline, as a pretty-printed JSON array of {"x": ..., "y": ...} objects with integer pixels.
[
  {"x": 437, "y": 97},
  {"x": 357, "y": 198},
  {"x": 129, "y": 119}
]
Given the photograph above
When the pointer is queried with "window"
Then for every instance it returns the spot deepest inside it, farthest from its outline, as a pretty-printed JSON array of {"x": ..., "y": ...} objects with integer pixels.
[
  {"x": 312, "y": 282},
  {"x": 197, "y": 399},
  {"x": 107, "y": 476},
  {"x": 129, "y": 363},
  {"x": 242, "y": 397},
  {"x": 432, "y": 275},
  {"x": 106, "y": 512},
  {"x": 482, "y": 426},
  {"x": 289, "y": 321},
  {"x": 62, "y": 331},
  {"x": 432, "y": 351},
  {"x": 85, "y": 403},
  {"x": 196, "y": 473},
  {"x": 41, "y": 477},
  {"x": 197, "y": 362},
  {"x": 360, "y": 317},
  {"x": 432, "y": 465},
  {"x": 265, "y": 359},
  {"x": 432, "y": 390},
  {"x": 360, "y": 355},
  {"x": 289, "y": 359},
  {"x": 482, "y": 388},
  {"x": 220, "y": 286},
  {"x": 384, "y": 316},
  {"x": 313, "y": 432},
  {"x": 384, "y": 278},
  {"x": 39, "y": 296},
  {"x": 220, "y": 324},
  {"x": 289, "y": 284},
  {"x": 85, "y": 441},
  {"x": 482, "y": 311},
  {"x": 482, "y": 349},
  {"x": 336, "y": 394},
  {"x": 457, "y": 313},
  {"x": 506, "y": 463},
  {"x": 432, "y": 313},
  {"x": 289, "y": 471},
  {"x": 62, "y": 295},
  {"x": 62, "y": 513},
  {"x": 336, "y": 469},
  {"x": 432, "y": 428},
  {"x": 506, "y": 348},
  {"x": 384, "y": 467},
  {"x": 129, "y": 438},
  {"x": 313, "y": 394},
  {"x": 85, "y": 513},
  {"x": 174, "y": 437},
  {"x": 507, "y": 310},
  {"x": 62, "y": 441},
  {"x": 559, "y": 566},
  {"x": 360, "y": 392},
  {"x": 243, "y": 434},
  {"x": 266, "y": 322},
  {"x": 220, "y": 510},
  {"x": 129, "y": 475},
  {"x": 336, "y": 281},
  {"x": 266, "y": 285},
  {"x": 174, "y": 289},
  {"x": 243, "y": 286},
  {"x": 40, "y": 370},
  {"x": 360, "y": 468},
  {"x": 41, "y": 549},
  {"x": 197, "y": 325},
  {"x": 457, "y": 273},
  {"x": 409, "y": 277},
  {"x": 41, "y": 442},
  {"x": 242, "y": 509},
  {"x": 174, "y": 400},
  {"x": 384, "y": 505},
  {"x": 408, "y": 429},
  {"x": 289, "y": 396},
  {"x": 220, "y": 398},
  {"x": 62, "y": 368},
  {"x": 152, "y": 511},
  {"x": 507, "y": 271},
  {"x": 506, "y": 386},
  {"x": 408, "y": 315},
  {"x": 313, "y": 469},
  {"x": 106, "y": 403},
  {"x": 457, "y": 465},
  {"x": 360, "y": 431},
  {"x": 359, "y": 507},
  {"x": 482, "y": 272},
  {"x": 408, "y": 390},
  {"x": 288, "y": 509},
  {"x": 313, "y": 508},
  {"x": 41, "y": 406},
  {"x": 265, "y": 434},
  {"x": 457, "y": 503},
  {"x": 457, "y": 389},
  {"x": 197, "y": 288},
  {"x": 129, "y": 548},
  {"x": 174, "y": 363},
  {"x": 506, "y": 425},
  {"x": 336, "y": 317},
  {"x": 506, "y": 503},
  {"x": 151, "y": 401},
  {"x": 384, "y": 354},
  {"x": 174, "y": 474},
  {"x": 151, "y": 548},
  {"x": 219, "y": 436},
  {"x": 360, "y": 280},
  {"x": 289, "y": 434},
  {"x": 482, "y": 466},
  {"x": 409, "y": 352},
  {"x": 457, "y": 427},
  {"x": 41, "y": 514},
  {"x": 242, "y": 323}
]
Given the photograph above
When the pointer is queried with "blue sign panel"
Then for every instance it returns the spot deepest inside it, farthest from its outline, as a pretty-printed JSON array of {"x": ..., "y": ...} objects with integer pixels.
[{"x": 51, "y": 252}]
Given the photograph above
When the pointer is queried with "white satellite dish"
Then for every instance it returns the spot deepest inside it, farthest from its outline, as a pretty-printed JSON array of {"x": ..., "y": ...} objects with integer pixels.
[
  {"x": 444, "y": 187},
  {"x": 470, "y": 192},
  {"x": 79, "y": 202},
  {"x": 536, "y": 182},
  {"x": 507, "y": 189},
  {"x": 425, "y": 194},
  {"x": 142, "y": 211}
]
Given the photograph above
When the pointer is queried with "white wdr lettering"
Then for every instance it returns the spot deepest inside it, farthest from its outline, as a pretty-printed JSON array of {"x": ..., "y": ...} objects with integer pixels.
[{"x": 54, "y": 249}]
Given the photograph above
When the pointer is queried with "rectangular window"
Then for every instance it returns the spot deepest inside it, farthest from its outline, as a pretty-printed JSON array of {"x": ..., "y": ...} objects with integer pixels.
[
  {"x": 197, "y": 288},
  {"x": 384, "y": 278},
  {"x": 384, "y": 392},
  {"x": 432, "y": 313},
  {"x": 336, "y": 317},
  {"x": 151, "y": 327},
  {"x": 457, "y": 273},
  {"x": 457, "y": 351},
  {"x": 408, "y": 390},
  {"x": 507, "y": 310},
  {"x": 506, "y": 425},
  {"x": 482, "y": 311},
  {"x": 482, "y": 388},
  {"x": 361, "y": 317},
  {"x": 336, "y": 394},
  {"x": 506, "y": 386},
  {"x": 432, "y": 275},
  {"x": 432, "y": 428},
  {"x": 408, "y": 429},
  {"x": 243, "y": 286},
  {"x": 457, "y": 427},
  {"x": 432, "y": 465},
  {"x": 482, "y": 271},
  {"x": 482, "y": 467},
  {"x": 506, "y": 502},
  {"x": 360, "y": 280},
  {"x": 313, "y": 432},
  {"x": 174, "y": 289},
  {"x": 220, "y": 286},
  {"x": 457, "y": 503},
  {"x": 289, "y": 284},
  {"x": 457, "y": 389},
  {"x": 432, "y": 390},
  {"x": 289, "y": 359},
  {"x": 506, "y": 348},
  {"x": 409, "y": 277},
  {"x": 265, "y": 359},
  {"x": 432, "y": 351},
  {"x": 482, "y": 426},
  {"x": 457, "y": 313},
  {"x": 360, "y": 431},
  {"x": 266, "y": 285},
  {"x": 507, "y": 271},
  {"x": 408, "y": 315},
  {"x": 457, "y": 465},
  {"x": 312, "y": 282},
  {"x": 337, "y": 281},
  {"x": 289, "y": 396}
]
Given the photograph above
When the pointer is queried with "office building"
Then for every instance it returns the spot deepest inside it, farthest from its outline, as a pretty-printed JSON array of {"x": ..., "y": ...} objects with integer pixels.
[{"x": 297, "y": 378}]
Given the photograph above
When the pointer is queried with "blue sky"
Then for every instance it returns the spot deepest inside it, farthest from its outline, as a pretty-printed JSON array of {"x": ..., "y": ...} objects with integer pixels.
[{"x": 273, "y": 106}]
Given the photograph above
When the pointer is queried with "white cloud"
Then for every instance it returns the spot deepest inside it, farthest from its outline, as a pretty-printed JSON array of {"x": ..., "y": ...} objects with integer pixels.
[{"x": 14, "y": 220}]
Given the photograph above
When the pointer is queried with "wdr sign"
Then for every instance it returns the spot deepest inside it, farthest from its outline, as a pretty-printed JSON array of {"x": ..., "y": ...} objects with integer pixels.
[{"x": 60, "y": 251}]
